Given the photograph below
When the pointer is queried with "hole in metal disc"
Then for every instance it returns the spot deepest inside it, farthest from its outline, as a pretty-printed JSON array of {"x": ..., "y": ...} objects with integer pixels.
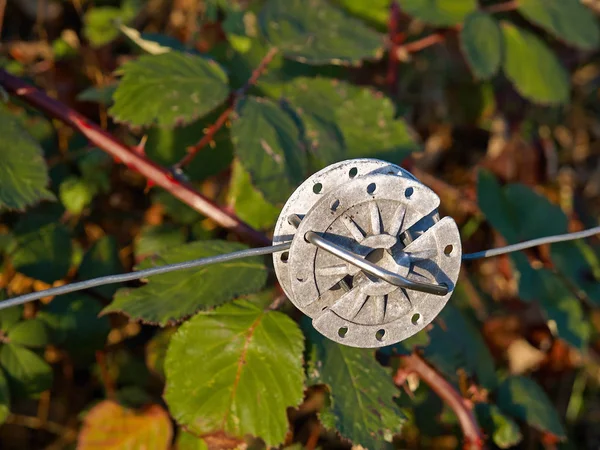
[
  {"x": 409, "y": 192},
  {"x": 448, "y": 250},
  {"x": 324, "y": 308},
  {"x": 342, "y": 332},
  {"x": 300, "y": 279},
  {"x": 334, "y": 205},
  {"x": 285, "y": 256},
  {"x": 317, "y": 188},
  {"x": 371, "y": 188},
  {"x": 415, "y": 319},
  {"x": 353, "y": 172},
  {"x": 379, "y": 335}
]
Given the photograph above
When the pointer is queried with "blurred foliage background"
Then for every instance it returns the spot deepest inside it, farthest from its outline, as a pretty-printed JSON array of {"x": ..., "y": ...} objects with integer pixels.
[{"x": 492, "y": 103}]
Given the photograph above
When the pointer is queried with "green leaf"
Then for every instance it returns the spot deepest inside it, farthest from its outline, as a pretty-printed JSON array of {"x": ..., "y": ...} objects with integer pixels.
[
  {"x": 23, "y": 172},
  {"x": 30, "y": 333},
  {"x": 176, "y": 209},
  {"x": 459, "y": 345},
  {"x": 74, "y": 324},
  {"x": 481, "y": 42},
  {"x": 9, "y": 316},
  {"x": 568, "y": 20},
  {"x": 249, "y": 204},
  {"x": 173, "y": 296},
  {"x": 44, "y": 254},
  {"x": 4, "y": 398},
  {"x": 169, "y": 89},
  {"x": 187, "y": 441},
  {"x": 523, "y": 398},
  {"x": 362, "y": 391},
  {"x": 526, "y": 57},
  {"x": 441, "y": 13},
  {"x": 98, "y": 94},
  {"x": 168, "y": 146},
  {"x": 154, "y": 238},
  {"x": 27, "y": 373},
  {"x": 100, "y": 260},
  {"x": 156, "y": 351},
  {"x": 152, "y": 43},
  {"x": 75, "y": 193},
  {"x": 376, "y": 12},
  {"x": 247, "y": 366},
  {"x": 268, "y": 145},
  {"x": 101, "y": 23},
  {"x": 314, "y": 32},
  {"x": 503, "y": 430},
  {"x": 343, "y": 121}
]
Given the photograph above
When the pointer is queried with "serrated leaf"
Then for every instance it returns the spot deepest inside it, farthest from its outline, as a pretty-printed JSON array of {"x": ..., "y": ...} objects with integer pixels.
[
  {"x": 343, "y": 121},
  {"x": 44, "y": 254},
  {"x": 30, "y": 333},
  {"x": 314, "y": 32},
  {"x": 362, "y": 392},
  {"x": 109, "y": 425},
  {"x": 523, "y": 398},
  {"x": 442, "y": 13},
  {"x": 568, "y": 20},
  {"x": 23, "y": 171},
  {"x": 526, "y": 57},
  {"x": 4, "y": 398},
  {"x": 459, "y": 345},
  {"x": 75, "y": 193},
  {"x": 169, "y": 89},
  {"x": 247, "y": 366},
  {"x": 268, "y": 145},
  {"x": 100, "y": 260},
  {"x": 249, "y": 204},
  {"x": 170, "y": 297},
  {"x": 481, "y": 42},
  {"x": 74, "y": 323},
  {"x": 503, "y": 430},
  {"x": 9, "y": 316},
  {"x": 154, "y": 238},
  {"x": 27, "y": 373}
]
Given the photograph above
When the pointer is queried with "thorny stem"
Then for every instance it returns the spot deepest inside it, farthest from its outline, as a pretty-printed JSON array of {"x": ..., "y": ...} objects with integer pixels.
[
  {"x": 134, "y": 160},
  {"x": 414, "y": 363},
  {"x": 222, "y": 119},
  {"x": 395, "y": 39}
]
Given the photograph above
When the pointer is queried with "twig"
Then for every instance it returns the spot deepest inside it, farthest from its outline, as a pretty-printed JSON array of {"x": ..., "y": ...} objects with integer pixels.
[
  {"x": 107, "y": 381},
  {"x": 396, "y": 39},
  {"x": 121, "y": 152},
  {"x": 37, "y": 424},
  {"x": 473, "y": 436},
  {"x": 222, "y": 119}
]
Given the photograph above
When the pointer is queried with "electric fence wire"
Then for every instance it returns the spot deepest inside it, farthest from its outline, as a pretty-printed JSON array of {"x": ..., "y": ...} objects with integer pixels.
[{"x": 112, "y": 279}]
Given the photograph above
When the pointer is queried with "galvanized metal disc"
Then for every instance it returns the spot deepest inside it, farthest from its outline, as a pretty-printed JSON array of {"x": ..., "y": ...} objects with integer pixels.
[
  {"x": 311, "y": 191},
  {"x": 386, "y": 216}
]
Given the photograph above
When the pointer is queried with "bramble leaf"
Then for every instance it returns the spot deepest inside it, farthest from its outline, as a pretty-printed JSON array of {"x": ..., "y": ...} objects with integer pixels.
[
  {"x": 523, "y": 398},
  {"x": 9, "y": 316},
  {"x": 75, "y": 193},
  {"x": 314, "y": 32},
  {"x": 29, "y": 333},
  {"x": 568, "y": 20},
  {"x": 4, "y": 398},
  {"x": 481, "y": 42},
  {"x": 154, "y": 238},
  {"x": 441, "y": 13},
  {"x": 343, "y": 121},
  {"x": 23, "y": 172},
  {"x": 109, "y": 425},
  {"x": 247, "y": 366},
  {"x": 268, "y": 145},
  {"x": 187, "y": 441},
  {"x": 503, "y": 430},
  {"x": 376, "y": 12},
  {"x": 100, "y": 260},
  {"x": 362, "y": 391},
  {"x": 526, "y": 57},
  {"x": 101, "y": 23},
  {"x": 169, "y": 89},
  {"x": 170, "y": 297},
  {"x": 27, "y": 373}
]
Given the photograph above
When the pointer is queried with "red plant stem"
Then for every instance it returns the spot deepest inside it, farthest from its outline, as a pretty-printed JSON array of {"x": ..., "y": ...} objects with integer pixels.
[
  {"x": 222, "y": 119},
  {"x": 132, "y": 159},
  {"x": 396, "y": 39},
  {"x": 414, "y": 363}
]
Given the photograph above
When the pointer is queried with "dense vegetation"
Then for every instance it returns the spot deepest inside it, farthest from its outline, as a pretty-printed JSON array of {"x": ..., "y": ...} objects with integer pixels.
[{"x": 136, "y": 133}]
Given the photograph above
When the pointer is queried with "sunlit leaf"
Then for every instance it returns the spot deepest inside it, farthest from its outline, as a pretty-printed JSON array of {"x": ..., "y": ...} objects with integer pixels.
[
  {"x": 169, "y": 89},
  {"x": 29, "y": 333},
  {"x": 111, "y": 426},
  {"x": 376, "y": 12},
  {"x": 441, "y": 13},
  {"x": 481, "y": 42},
  {"x": 154, "y": 238},
  {"x": 526, "y": 57},
  {"x": 170, "y": 297},
  {"x": 503, "y": 430},
  {"x": 247, "y": 370},
  {"x": 187, "y": 441},
  {"x": 101, "y": 23},
  {"x": 23, "y": 173},
  {"x": 76, "y": 194},
  {"x": 315, "y": 32}
]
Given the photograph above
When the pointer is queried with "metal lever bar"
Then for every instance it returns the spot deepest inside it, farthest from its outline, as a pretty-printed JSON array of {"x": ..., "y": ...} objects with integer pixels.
[{"x": 367, "y": 266}]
